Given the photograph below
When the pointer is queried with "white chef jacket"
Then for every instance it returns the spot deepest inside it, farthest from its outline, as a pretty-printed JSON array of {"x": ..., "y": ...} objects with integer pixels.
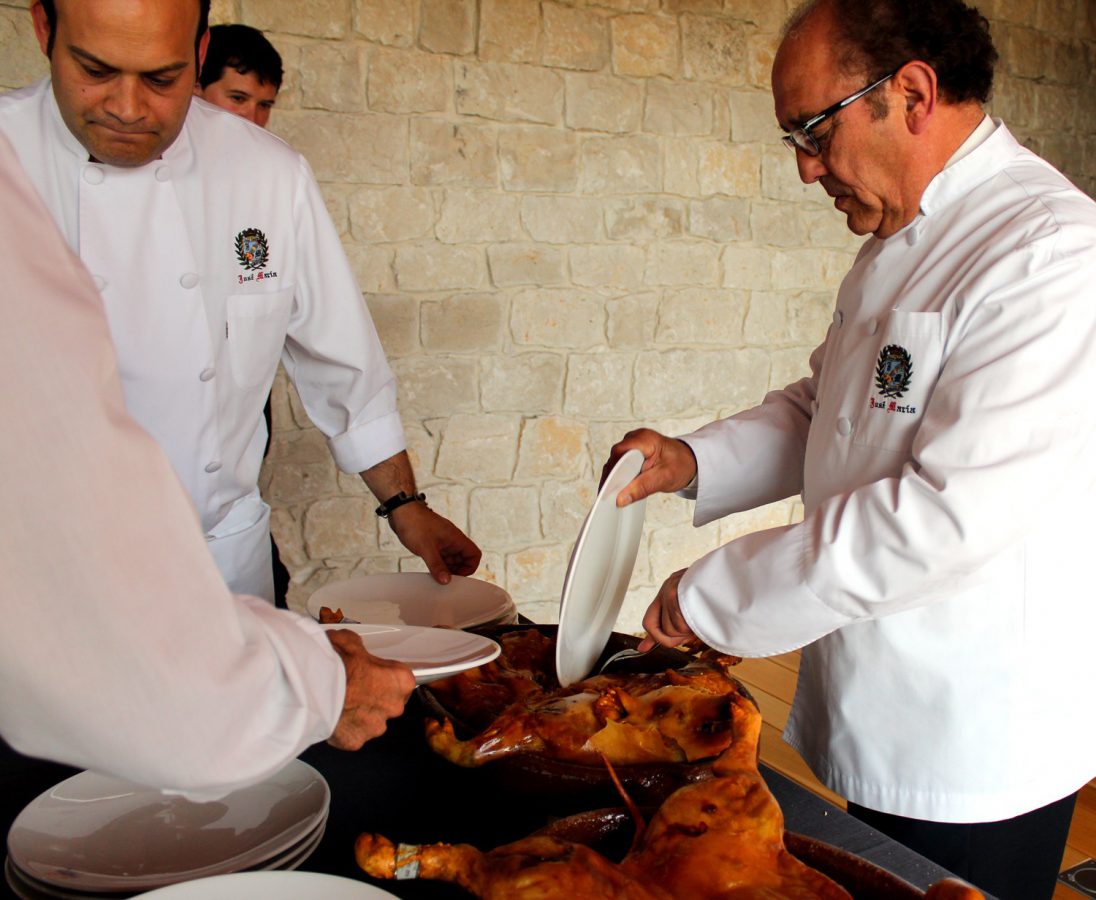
[
  {"x": 214, "y": 262},
  {"x": 940, "y": 578},
  {"x": 121, "y": 649}
]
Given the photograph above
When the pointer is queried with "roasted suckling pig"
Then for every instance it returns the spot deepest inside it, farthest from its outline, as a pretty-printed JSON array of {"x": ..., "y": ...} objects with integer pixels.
[{"x": 674, "y": 715}]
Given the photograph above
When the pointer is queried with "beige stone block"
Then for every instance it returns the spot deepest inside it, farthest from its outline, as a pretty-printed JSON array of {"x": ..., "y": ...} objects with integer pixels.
[
  {"x": 280, "y": 412},
  {"x": 1054, "y": 105},
  {"x": 423, "y": 438},
  {"x": 1068, "y": 63},
  {"x": 632, "y": 320},
  {"x": 789, "y": 366},
  {"x": 289, "y": 539},
  {"x": 633, "y": 6},
  {"x": 536, "y": 158},
  {"x": 396, "y": 317},
  {"x": 350, "y": 484},
  {"x": 463, "y": 323},
  {"x": 509, "y": 30},
  {"x": 523, "y": 263},
  {"x": 372, "y": 267},
  {"x": 779, "y": 224},
  {"x": 1014, "y": 101},
  {"x": 531, "y": 383},
  {"x": 732, "y": 169},
  {"x": 809, "y": 269},
  {"x": 678, "y": 108},
  {"x": 447, "y": 153},
  {"x": 448, "y": 26},
  {"x": 408, "y": 81},
  {"x": 607, "y": 265},
  {"x": 780, "y": 178},
  {"x": 552, "y": 447},
  {"x": 438, "y": 267},
  {"x": 698, "y": 316},
  {"x": 809, "y": 316},
  {"x": 598, "y": 385},
  {"x": 369, "y": 149},
  {"x": 698, "y": 382},
  {"x": 574, "y": 38},
  {"x": 826, "y": 227},
  {"x": 509, "y": 92},
  {"x": 1058, "y": 18},
  {"x": 571, "y": 319},
  {"x": 471, "y": 217},
  {"x": 311, "y": 18},
  {"x": 597, "y": 102},
  {"x": 780, "y": 319},
  {"x": 340, "y": 526},
  {"x": 563, "y": 220},
  {"x": 720, "y": 219},
  {"x": 480, "y": 448},
  {"x": 336, "y": 199},
  {"x": 667, "y": 510},
  {"x": 435, "y": 386},
  {"x": 536, "y": 574},
  {"x": 772, "y": 515},
  {"x": 765, "y": 15},
  {"x": 681, "y": 164},
  {"x": 714, "y": 49},
  {"x": 679, "y": 547},
  {"x": 332, "y": 77},
  {"x": 646, "y": 219},
  {"x": 625, "y": 165},
  {"x": 682, "y": 262},
  {"x": 760, "y": 55},
  {"x": 507, "y": 516},
  {"x": 21, "y": 62},
  {"x": 753, "y": 117},
  {"x": 380, "y": 215},
  {"x": 693, "y": 6},
  {"x": 1026, "y": 52},
  {"x": 298, "y": 483},
  {"x": 220, "y": 11},
  {"x": 289, "y": 48},
  {"x": 563, "y": 507},
  {"x": 645, "y": 45},
  {"x": 389, "y": 22}
]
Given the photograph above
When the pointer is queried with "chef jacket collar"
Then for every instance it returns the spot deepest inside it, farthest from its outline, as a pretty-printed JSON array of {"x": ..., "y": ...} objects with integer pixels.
[
  {"x": 977, "y": 160},
  {"x": 179, "y": 155}
]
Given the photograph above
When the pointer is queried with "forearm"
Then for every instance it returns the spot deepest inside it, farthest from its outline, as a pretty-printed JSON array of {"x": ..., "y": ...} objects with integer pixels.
[{"x": 390, "y": 476}]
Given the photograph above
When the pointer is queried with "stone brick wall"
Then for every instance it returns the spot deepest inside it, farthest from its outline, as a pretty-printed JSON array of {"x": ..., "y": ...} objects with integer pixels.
[{"x": 569, "y": 219}]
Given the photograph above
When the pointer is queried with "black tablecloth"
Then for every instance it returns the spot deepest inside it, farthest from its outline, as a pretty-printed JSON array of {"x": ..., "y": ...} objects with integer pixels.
[{"x": 397, "y": 787}]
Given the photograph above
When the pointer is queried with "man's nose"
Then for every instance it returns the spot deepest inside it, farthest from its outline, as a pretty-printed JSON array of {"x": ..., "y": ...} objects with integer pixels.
[
  {"x": 811, "y": 168},
  {"x": 126, "y": 102}
]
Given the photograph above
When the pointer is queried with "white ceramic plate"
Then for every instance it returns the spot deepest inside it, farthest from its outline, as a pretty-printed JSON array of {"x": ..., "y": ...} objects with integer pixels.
[
  {"x": 598, "y": 574},
  {"x": 414, "y": 598},
  {"x": 271, "y": 886},
  {"x": 93, "y": 832},
  {"x": 432, "y": 653}
]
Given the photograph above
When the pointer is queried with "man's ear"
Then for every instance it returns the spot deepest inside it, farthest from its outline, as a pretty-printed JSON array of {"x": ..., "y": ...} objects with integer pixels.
[
  {"x": 203, "y": 46},
  {"x": 916, "y": 81},
  {"x": 41, "y": 26}
]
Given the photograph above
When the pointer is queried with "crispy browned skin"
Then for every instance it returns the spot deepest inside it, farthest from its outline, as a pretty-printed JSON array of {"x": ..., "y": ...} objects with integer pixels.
[
  {"x": 669, "y": 716},
  {"x": 330, "y": 616}
]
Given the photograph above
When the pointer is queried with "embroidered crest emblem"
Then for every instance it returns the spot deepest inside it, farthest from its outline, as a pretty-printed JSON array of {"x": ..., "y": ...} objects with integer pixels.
[
  {"x": 894, "y": 371},
  {"x": 251, "y": 249}
]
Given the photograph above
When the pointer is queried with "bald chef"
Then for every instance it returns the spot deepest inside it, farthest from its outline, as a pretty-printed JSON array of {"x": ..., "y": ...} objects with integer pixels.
[{"x": 215, "y": 257}]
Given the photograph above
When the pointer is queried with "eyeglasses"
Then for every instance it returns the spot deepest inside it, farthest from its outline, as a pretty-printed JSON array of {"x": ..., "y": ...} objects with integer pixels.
[{"x": 801, "y": 138}]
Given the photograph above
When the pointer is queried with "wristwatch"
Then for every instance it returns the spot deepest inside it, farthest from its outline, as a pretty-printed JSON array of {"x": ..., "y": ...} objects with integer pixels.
[{"x": 397, "y": 501}]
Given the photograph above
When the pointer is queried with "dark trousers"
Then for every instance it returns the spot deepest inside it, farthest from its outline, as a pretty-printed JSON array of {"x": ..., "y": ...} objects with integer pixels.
[
  {"x": 281, "y": 573},
  {"x": 1014, "y": 859}
]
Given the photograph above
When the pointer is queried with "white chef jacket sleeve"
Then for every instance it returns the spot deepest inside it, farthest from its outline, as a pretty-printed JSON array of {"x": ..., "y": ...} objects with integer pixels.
[
  {"x": 1006, "y": 434},
  {"x": 121, "y": 649},
  {"x": 332, "y": 353}
]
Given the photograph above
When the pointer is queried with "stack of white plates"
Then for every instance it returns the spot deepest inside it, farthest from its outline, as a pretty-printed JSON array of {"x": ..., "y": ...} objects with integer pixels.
[{"x": 97, "y": 836}]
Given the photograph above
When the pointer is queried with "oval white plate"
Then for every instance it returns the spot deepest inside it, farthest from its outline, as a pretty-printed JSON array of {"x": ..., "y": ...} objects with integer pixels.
[
  {"x": 598, "y": 574},
  {"x": 270, "y": 886},
  {"x": 93, "y": 832},
  {"x": 432, "y": 653},
  {"x": 414, "y": 598}
]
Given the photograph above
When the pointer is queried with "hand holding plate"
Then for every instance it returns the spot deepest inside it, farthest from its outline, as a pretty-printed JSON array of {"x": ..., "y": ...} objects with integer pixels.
[
  {"x": 376, "y": 691},
  {"x": 668, "y": 464}
]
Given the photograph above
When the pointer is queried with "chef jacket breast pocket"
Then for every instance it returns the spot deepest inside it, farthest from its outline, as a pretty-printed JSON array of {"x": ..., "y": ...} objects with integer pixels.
[
  {"x": 905, "y": 369},
  {"x": 256, "y": 334}
]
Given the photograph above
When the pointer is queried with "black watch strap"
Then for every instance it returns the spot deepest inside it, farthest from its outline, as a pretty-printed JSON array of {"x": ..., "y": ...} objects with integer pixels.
[{"x": 397, "y": 501}]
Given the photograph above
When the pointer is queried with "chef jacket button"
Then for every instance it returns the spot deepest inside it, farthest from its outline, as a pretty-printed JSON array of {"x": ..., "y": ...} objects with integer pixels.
[
  {"x": 873, "y": 326},
  {"x": 189, "y": 279},
  {"x": 838, "y": 317},
  {"x": 207, "y": 374},
  {"x": 913, "y": 236},
  {"x": 844, "y": 426},
  {"x": 94, "y": 175},
  {"x": 213, "y": 467},
  {"x": 163, "y": 173},
  {"x": 100, "y": 281}
]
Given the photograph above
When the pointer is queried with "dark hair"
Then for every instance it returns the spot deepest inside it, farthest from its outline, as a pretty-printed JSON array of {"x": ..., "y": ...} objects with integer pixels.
[
  {"x": 880, "y": 36},
  {"x": 244, "y": 49},
  {"x": 51, "y": 16}
]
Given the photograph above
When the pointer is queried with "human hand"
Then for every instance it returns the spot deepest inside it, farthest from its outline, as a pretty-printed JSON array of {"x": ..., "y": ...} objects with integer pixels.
[
  {"x": 376, "y": 691},
  {"x": 663, "y": 620},
  {"x": 668, "y": 465},
  {"x": 446, "y": 550}
]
